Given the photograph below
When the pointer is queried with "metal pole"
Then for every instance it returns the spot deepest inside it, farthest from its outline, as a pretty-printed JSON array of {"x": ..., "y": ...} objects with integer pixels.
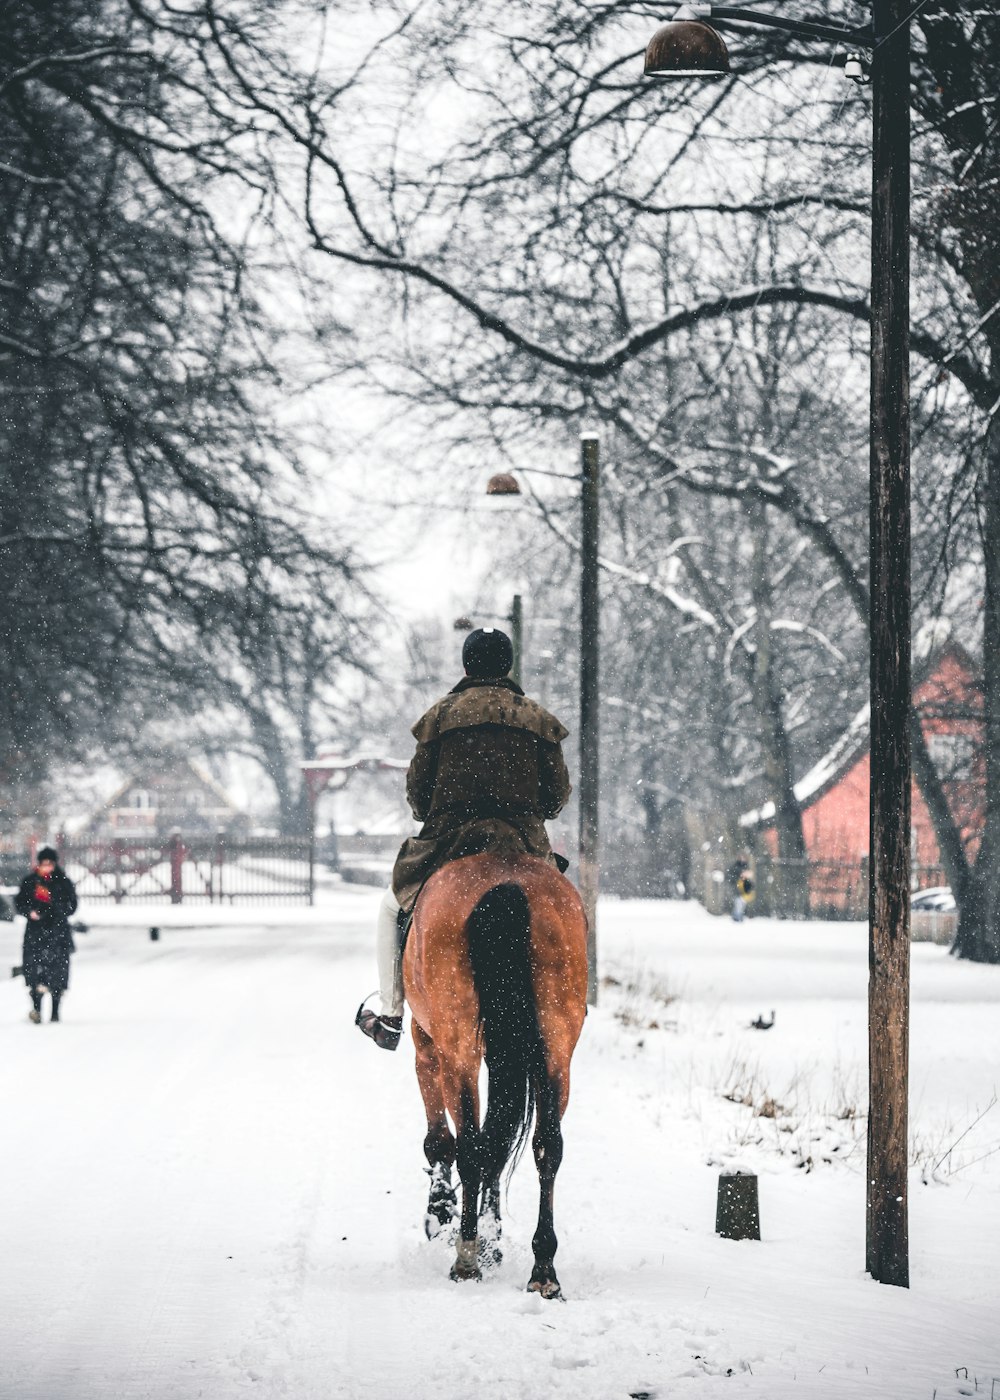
[
  {"x": 312, "y": 797},
  {"x": 889, "y": 893},
  {"x": 177, "y": 854},
  {"x": 589, "y": 844},
  {"x": 517, "y": 637}
]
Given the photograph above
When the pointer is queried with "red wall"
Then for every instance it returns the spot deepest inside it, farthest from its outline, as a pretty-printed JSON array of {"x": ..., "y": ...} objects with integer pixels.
[{"x": 836, "y": 824}]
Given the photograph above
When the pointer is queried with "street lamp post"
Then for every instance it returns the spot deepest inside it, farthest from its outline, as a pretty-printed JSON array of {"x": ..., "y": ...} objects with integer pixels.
[
  {"x": 589, "y": 840},
  {"x": 690, "y": 46},
  {"x": 588, "y": 848},
  {"x": 517, "y": 637},
  {"x": 502, "y": 487},
  {"x": 891, "y": 783}
]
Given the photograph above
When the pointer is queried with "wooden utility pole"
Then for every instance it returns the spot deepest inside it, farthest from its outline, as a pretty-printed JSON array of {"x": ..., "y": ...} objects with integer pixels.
[
  {"x": 889, "y": 909},
  {"x": 691, "y": 44},
  {"x": 589, "y": 843}
]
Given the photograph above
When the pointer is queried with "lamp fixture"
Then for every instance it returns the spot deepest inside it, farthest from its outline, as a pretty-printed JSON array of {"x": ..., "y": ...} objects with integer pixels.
[
  {"x": 689, "y": 45},
  {"x": 503, "y": 484},
  {"x": 856, "y": 68}
]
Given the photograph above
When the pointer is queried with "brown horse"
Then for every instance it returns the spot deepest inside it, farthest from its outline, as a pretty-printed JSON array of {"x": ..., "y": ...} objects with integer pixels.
[{"x": 495, "y": 966}]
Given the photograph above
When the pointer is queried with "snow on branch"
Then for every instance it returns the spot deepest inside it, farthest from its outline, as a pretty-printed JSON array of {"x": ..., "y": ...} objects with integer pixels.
[
  {"x": 787, "y": 624},
  {"x": 782, "y": 494},
  {"x": 687, "y": 607}
]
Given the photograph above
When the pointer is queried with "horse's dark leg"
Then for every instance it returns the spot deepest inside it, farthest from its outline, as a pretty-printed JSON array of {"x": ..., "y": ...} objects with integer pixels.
[
  {"x": 490, "y": 1226},
  {"x": 548, "y": 1147},
  {"x": 442, "y": 1203},
  {"x": 466, "y": 1264},
  {"x": 439, "y": 1145}
]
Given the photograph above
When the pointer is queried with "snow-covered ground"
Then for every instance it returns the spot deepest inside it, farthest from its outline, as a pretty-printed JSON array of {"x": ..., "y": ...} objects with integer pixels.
[{"x": 211, "y": 1185}]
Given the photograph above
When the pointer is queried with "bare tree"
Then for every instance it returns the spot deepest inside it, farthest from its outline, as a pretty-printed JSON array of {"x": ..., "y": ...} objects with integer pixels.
[
  {"x": 153, "y": 552},
  {"x": 528, "y": 248},
  {"x": 519, "y": 226}
]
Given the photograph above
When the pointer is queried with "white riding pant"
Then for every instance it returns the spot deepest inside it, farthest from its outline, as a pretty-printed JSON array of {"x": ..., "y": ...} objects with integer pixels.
[{"x": 389, "y": 956}]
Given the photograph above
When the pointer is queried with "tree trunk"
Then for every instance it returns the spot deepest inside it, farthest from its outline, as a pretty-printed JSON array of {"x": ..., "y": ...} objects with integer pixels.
[
  {"x": 979, "y": 912},
  {"x": 949, "y": 838},
  {"x": 654, "y": 856},
  {"x": 293, "y": 811},
  {"x": 790, "y": 888},
  {"x": 962, "y": 67}
]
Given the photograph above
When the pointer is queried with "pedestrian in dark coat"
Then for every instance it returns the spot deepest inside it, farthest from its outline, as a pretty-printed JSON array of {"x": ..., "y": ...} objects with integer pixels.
[{"x": 46, "y": 898}]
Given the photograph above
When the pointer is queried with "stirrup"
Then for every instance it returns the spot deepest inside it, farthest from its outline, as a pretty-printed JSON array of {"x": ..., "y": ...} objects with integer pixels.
[{"x": 384, "y": 1030}]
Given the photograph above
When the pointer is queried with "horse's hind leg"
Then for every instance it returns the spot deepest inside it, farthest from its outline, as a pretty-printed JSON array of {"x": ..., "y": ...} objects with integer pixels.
[
  {"x": 439, "y": 1145},
  {"x": 548, "y": 1148},
  {"x": 442, "y": 1202},
  {"x": 466, "y": 1115},
  {"x": 490, "y": 1226}
]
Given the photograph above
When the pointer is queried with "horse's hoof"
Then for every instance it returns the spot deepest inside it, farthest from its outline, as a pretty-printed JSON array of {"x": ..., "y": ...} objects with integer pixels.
[
  {"x": 548, "y": 1288},
  {"x": 436, "y": 1229},
  {"x": 490, "y": 1248},
  {"x": 465, "y": 1265},
  {"x": 438, "y": 1217},
  {"x": 442, "y": 1204}
]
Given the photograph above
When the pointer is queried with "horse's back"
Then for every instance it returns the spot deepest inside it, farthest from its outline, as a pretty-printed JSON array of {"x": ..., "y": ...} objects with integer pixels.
[
  {"x": 461, "y": 884},
  {"x": 437, "y": 952}
]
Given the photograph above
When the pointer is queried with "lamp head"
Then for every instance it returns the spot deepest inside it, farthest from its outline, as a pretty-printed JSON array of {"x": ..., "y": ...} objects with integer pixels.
[
  {"x": 503, "y": 484},
  {"x": 687, "y": 47}
]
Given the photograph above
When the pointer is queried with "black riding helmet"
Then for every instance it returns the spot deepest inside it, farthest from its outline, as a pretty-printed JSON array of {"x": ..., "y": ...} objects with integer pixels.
[{"x": 487, "y": 652}]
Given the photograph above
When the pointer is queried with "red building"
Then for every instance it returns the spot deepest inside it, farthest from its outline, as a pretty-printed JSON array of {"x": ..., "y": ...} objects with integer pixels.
[{"x": 834, "y": 795}]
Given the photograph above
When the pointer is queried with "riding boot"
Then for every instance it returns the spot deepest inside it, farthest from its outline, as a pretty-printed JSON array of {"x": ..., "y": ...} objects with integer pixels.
[
  {"x": 56, "y": 998},
  {"x": 384, "y": 1030},
  {"x": 35, "y": 1014}
]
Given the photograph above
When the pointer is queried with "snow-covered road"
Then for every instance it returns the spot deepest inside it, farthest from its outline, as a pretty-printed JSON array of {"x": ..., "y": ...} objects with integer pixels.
[{"x": 211, "y": 1185}]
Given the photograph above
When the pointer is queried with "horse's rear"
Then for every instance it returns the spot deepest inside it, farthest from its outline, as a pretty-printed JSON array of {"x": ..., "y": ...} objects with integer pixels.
[{"x": 495, "y": 965}]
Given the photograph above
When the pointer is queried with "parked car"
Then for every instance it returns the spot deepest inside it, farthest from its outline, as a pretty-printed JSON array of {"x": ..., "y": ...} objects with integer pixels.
[{"x": 938, "y": 900}]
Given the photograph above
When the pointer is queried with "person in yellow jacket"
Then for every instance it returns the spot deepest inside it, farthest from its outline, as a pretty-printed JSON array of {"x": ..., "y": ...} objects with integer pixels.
[{"x": 745, "y": 890}]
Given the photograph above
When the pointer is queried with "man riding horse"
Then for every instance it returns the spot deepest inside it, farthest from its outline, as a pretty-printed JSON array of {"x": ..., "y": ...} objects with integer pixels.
[{"x": 487, "y": 773}]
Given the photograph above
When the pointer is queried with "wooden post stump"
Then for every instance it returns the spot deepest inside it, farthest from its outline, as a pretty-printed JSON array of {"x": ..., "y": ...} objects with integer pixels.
[{"x": 737, "y": 1214}]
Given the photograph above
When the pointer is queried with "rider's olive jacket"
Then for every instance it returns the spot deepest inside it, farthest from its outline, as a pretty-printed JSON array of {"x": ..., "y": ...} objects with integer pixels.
[{"x": 488, "y": 759}]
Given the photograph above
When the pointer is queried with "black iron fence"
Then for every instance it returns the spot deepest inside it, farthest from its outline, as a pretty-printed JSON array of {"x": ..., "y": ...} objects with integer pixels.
[{"x": 182, "y": 869}]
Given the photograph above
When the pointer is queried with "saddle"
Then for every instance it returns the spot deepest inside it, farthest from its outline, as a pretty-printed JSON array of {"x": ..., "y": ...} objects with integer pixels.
[{"x": 486, "y": 836}]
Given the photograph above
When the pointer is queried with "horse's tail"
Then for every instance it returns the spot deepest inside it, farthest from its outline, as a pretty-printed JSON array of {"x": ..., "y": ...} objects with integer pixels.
[{"x": 499, "y": 930}]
